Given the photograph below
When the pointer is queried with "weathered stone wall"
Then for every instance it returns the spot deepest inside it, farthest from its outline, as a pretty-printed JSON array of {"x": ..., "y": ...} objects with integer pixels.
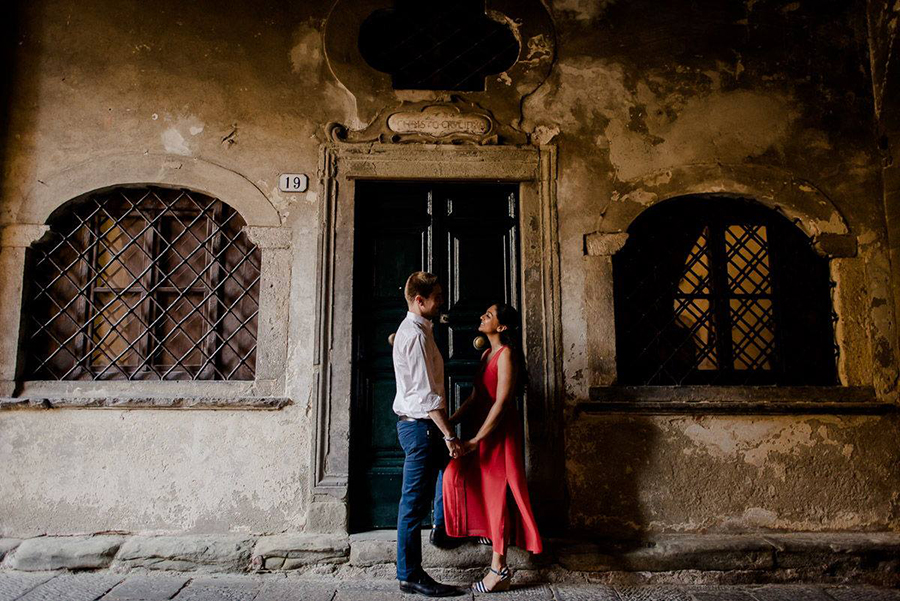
[
  {"x": 884, "y": 29},
  {"x": 645, "y": 101},
  {"x": 747, "y": 99},
  {"x": 245, "y": 90}
]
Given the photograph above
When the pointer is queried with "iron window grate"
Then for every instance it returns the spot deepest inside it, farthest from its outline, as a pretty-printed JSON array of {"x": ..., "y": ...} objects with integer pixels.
[
  {"x": 441, "y": 46},
  {"x": 721, "y": 291},
  {"x": 142, "y": 284}
]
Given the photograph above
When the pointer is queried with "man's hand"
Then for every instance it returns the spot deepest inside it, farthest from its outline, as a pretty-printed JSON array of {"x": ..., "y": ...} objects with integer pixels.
[{"x": 454, "y": 447}]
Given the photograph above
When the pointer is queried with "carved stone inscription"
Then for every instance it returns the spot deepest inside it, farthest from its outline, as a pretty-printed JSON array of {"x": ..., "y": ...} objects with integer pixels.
[{"x": 438, "y": 122}]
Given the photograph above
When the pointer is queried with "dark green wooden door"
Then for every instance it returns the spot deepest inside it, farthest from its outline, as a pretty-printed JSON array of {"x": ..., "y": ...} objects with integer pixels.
[{"x": 466, "y": 234}]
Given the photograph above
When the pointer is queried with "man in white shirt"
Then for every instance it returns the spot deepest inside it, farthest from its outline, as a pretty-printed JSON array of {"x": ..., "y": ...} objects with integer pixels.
[{"x": 423, "y": 429}]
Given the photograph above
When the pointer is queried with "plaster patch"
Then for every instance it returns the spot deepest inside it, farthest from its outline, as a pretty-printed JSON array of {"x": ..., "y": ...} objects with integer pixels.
[
  {"x": 282, "y": 202},
  {"x": 196, "y": 129},
  {"x": 641, "y": 197},
  {"x": 649, "y": 131},
  {"x": 588, "y": 90},
  {"x": 539, "y": 49},
  {"x": 306, "y": 54},
  {"x": 583, "y": 10},
  {"x": 662, "y": 178},
  {"x": 760, "y": 517},
  {"x": 834, "y": 225},
  {"x": 543, "y": 134},
  {"x": 755, "y": 442},
  {"x": 727, "y": 125},
  {"x": 867, "y": 237},
  {"x": 174, "y": 142}
]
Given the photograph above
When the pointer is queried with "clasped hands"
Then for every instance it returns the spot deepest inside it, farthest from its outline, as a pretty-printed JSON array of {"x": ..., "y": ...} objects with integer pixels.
[{"x": 458, "y": 448}]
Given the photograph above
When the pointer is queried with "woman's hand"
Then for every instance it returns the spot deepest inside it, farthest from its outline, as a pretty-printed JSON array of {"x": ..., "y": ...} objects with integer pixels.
[{"x": 467, "y": 446}]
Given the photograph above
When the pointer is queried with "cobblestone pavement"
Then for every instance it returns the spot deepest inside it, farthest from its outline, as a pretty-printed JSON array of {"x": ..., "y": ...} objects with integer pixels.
[{"x": 106, "y": 586}]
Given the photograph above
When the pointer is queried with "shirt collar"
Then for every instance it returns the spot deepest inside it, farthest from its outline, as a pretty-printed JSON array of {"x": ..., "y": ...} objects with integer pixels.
[{"x": 418, "y": 319}]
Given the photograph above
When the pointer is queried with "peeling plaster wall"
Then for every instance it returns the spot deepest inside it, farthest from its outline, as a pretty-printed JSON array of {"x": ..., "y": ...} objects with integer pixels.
[
  {"x": 244, "y": 87},
  {"x": 642, "y": 97},
  {"x": 689, "y": 474}
]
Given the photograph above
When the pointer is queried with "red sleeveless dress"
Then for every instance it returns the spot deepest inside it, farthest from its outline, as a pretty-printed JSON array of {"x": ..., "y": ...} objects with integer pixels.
[{"x": 476, "y": 486}]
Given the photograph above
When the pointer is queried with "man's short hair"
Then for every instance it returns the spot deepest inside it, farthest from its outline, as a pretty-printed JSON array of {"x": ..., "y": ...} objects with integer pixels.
[{"x": 420, "y": 283}]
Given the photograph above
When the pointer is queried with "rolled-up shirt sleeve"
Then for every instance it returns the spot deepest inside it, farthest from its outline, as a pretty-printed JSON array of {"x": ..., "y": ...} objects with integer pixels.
[{"x": 422, "y": 387}]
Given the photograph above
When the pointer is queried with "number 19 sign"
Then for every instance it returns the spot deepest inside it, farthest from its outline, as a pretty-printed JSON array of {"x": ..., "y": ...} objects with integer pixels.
[{"x": 292, "y": 182}]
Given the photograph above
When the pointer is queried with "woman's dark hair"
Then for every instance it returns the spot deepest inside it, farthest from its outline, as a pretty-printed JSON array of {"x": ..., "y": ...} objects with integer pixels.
[{"x": 508, "y": 316}]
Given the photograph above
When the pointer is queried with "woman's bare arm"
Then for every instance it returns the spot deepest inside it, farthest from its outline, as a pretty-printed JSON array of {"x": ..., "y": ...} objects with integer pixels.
[{"x": 506, "y": 379}]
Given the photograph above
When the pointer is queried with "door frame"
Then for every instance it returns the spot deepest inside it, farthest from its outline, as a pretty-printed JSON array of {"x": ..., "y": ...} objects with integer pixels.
[{"x": 534, "y": 169}]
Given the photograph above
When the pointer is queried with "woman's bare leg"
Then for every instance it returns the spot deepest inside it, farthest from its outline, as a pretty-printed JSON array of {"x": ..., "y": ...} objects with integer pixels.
[{"x": 498, "y": 563}]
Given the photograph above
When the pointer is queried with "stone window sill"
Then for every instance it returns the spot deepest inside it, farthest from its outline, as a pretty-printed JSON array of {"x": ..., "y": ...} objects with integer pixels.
[
  {"x": 734, "y": 400},
  {"x": 170, "y": 402}
]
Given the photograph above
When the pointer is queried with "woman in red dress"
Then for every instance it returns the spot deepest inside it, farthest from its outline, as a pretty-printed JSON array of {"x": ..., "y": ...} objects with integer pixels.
[{"x": 485, "y": 492}]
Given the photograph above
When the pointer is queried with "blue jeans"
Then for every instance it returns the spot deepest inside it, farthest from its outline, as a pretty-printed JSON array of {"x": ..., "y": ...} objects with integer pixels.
[{"x": 426, "y": 456}]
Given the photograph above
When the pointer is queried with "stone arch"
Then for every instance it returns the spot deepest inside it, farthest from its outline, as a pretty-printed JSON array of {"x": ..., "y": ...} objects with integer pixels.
[
  {"x": 800, "y": 201},
  {"x": 107, "y": 172}
]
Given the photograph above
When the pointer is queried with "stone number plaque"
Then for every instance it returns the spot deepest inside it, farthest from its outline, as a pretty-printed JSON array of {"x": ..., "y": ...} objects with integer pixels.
[{"x": 293, "y": 182}]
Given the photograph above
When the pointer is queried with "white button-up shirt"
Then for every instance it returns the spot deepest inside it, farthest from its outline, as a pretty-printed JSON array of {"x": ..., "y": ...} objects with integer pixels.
[{"x": 418, "y": 369}]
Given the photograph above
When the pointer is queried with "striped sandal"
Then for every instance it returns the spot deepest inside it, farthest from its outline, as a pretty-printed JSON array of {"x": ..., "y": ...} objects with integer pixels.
[
  {"x": 503, "y": 585},
  {"x": 483, "y": 540}
]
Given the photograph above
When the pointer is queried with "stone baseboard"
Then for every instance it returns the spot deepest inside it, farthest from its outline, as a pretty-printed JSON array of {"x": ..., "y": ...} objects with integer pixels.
[{"x": 870, "y": 558}]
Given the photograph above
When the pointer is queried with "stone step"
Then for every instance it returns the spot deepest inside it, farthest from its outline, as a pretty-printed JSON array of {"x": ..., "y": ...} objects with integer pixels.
[{"x": 740, "y": 558}]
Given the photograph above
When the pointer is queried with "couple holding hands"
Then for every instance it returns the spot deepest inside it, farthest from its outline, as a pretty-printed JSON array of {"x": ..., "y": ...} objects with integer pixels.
[{"x": 482, "y": 491}]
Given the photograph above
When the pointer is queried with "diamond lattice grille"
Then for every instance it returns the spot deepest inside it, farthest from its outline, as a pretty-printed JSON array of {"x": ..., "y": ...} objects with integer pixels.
[
  {"x": 437, "y": 46},
  {"x": 143, "y": 283},
  {"x": 693, "y": 305},
  {"x": 701, "y": 299},
  {"x": 750, "y": 297}
]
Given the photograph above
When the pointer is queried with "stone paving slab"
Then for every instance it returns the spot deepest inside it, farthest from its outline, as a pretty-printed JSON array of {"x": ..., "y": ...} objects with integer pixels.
[
  {"x": 789, "y": 593},
  {"x": 862, "y": 593},
  {"x": 142, "y": 587},
  {"x": 719, "y": 594},
  {"x": 14, "y": 585},
  {"x": 532, "y": 592},
  {"x": 289, "y": 590},
  {"x": 652, "y": 593},
  {"x": 74, "y": 587},
  {"x": 382, "y": 591},
  {"x": 225, "y": 588},
  {"x": 587, "y": 592},
  {"x": 106, "y": 586}
]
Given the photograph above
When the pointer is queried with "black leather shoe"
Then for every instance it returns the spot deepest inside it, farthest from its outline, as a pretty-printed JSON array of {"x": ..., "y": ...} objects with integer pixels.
[
  {"x": 440, "y": 539},
  {"x": 428, "y": 586}
]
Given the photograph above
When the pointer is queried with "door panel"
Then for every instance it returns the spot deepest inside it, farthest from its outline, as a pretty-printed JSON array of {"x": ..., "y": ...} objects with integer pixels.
[{"x": 467, "y": 235}]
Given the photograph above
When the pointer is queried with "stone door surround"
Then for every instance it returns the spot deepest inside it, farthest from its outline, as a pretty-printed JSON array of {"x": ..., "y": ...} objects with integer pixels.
[{"x": 343, "y": 164}]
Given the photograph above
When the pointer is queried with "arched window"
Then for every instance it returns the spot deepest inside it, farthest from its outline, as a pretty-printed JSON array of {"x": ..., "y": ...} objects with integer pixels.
[
  {"x": 721, "y": 291},
  {"x": 437, "y": 45},
  {"x": 142, "y": 283}
]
